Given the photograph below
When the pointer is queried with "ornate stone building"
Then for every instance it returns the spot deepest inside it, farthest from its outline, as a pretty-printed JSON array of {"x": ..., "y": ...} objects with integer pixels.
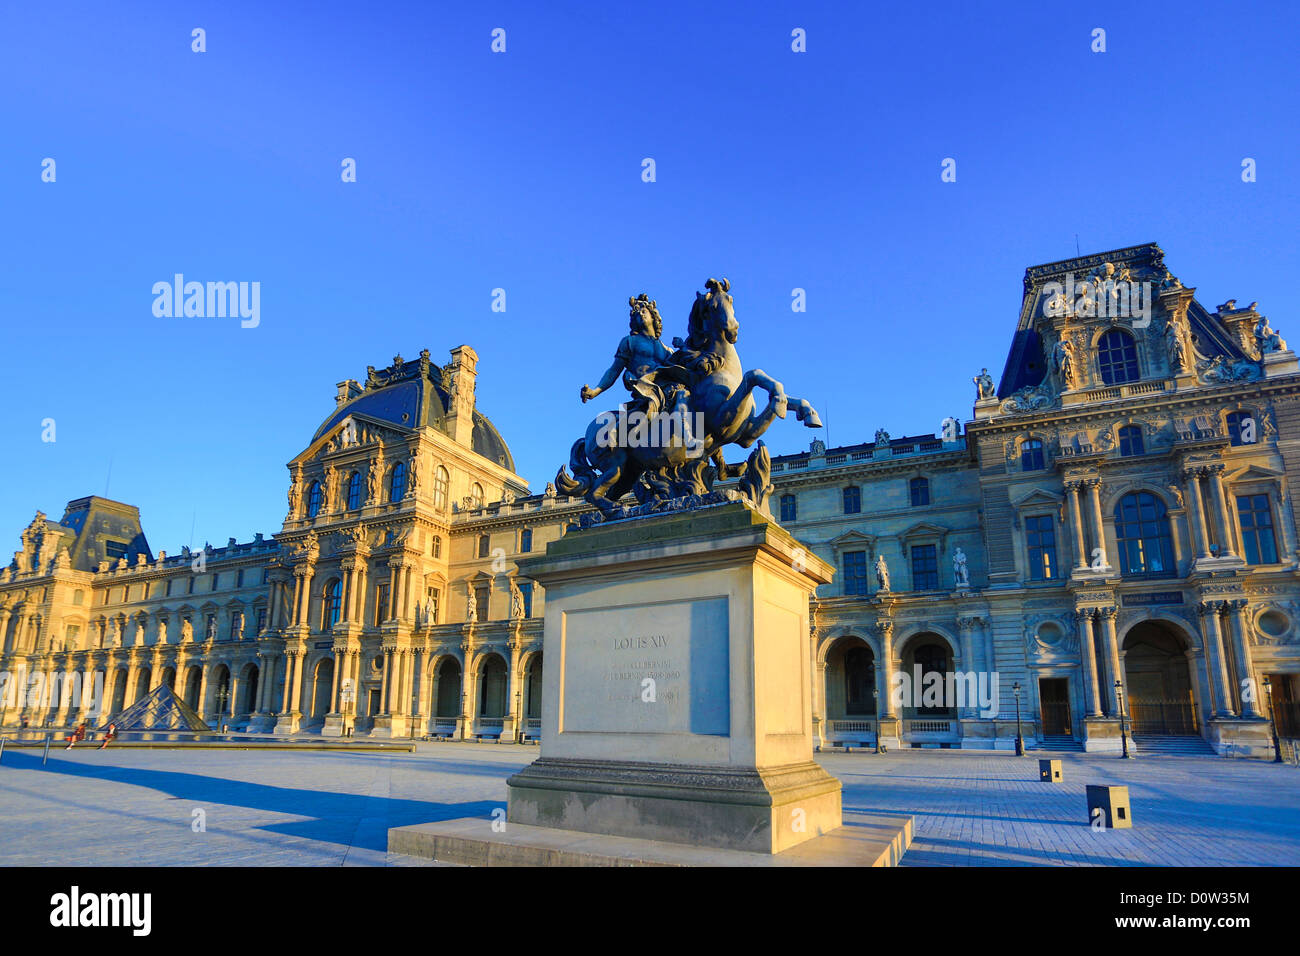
[{"x": 1118, "y": 509}]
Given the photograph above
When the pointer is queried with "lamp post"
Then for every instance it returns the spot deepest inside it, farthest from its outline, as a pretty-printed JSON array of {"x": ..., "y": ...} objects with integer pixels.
[
  {"x": 519, "y": 716},
  {"x": 875, "y": 694},
  {"x": 1123, "y": 720},
  {"x": 1272, "y": 720},
  {"x": 1020, "y": 740}
]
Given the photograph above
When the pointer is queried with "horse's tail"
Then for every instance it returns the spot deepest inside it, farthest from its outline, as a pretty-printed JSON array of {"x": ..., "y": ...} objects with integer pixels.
[{"x": 584, "y": 476}]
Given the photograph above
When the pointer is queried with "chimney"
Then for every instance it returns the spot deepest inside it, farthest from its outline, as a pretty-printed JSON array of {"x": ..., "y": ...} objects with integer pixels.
[{"x": 460, "y": 416}]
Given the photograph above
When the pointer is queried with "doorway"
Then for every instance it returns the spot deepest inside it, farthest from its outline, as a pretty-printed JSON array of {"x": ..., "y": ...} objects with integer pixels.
[{"x": 1054, "y": 700}]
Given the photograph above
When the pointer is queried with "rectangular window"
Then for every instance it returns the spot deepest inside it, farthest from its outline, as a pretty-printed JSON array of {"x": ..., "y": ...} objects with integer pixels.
[
  {"x": 1257, "y": 529},
  {"x": 526, "y": 540},
  {"x": 381, "y": 602},
  {"x": 70, "y": 637},
  {"x": 789, "y": 508},
  {"x": 115, "y": 549},
  {"x": 1040, "y": 536},
  {"x": 261, "y": 620},
  {"x": 239, "y": 578},
  {"x": 482, "y": 608},
  {"x": 855, "y": 573},
  {"x": 925, "y": 567},
  {"x": 852, "y": 500},
  {"x": 169, "y": 587},
  {"x": 526, "y": 589}
]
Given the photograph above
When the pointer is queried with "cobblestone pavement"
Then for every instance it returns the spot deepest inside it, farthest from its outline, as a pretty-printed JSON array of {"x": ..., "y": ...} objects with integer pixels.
[{"x": 139, "y": 807}]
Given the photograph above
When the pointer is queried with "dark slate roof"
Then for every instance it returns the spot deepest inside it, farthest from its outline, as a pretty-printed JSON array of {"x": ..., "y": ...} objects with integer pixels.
[{"x": 412, "y": 396}]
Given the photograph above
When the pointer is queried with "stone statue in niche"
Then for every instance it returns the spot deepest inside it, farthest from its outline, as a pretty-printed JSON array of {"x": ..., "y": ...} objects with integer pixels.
[
  {"x": 960, "y": 571},
  {"x": 882, "y": 573},
  {"x": 471, "y": 606}
]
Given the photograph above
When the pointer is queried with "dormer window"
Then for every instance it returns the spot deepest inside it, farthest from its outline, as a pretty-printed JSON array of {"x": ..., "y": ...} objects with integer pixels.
[
  {"x": 1117, "y": 358},
  {"x": 1032, "y": 457},
  {"x": 313, "y": 499}
]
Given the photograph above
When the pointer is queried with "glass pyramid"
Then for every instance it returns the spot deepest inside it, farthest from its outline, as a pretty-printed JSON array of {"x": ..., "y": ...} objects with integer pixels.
[{"x": 160, "y": 709}]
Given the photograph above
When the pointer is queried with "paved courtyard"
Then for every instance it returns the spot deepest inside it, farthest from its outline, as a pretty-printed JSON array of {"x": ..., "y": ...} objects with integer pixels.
[{"x": 138, "y": 807}]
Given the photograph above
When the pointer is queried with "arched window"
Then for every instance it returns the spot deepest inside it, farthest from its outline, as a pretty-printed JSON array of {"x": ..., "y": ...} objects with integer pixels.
[
  {"x": 1241, "y": 428},
  {"x": 852, "y": 500},
  {"x": 313, "y": 499},
  {"x": 397, "y": 482},
  {"x": 1142, "y": 532},
  {"x": 436, "y": 550},
  {"x": 859, "y": 681},
  {"x": 526, "y": 540},
  {"x": 1117, "y": 358},
  {"x": 476, "y": 495},
  {"x": 484, "y": 546},
  {"x": 1032, "y": 457},
  {"x": 919, "y": 489},
  {"x": 441, "y": 480},
  {"x": 1130, "y": 440},
  {"x": 333, "y": 603},
  {"x": 789, "y": 508},
  {"x": 931, "y": 659},
  {"x": 354, "y": 491}
]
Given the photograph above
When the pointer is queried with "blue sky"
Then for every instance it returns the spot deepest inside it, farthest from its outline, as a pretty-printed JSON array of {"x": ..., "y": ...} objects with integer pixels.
[{"x": 522, "y": 171}]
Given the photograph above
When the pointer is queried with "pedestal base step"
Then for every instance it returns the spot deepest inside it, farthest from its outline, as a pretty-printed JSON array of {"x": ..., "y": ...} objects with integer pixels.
[{"x": 863, "y": 840}]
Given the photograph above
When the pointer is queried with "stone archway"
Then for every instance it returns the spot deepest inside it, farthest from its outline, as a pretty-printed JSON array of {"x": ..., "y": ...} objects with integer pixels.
[
  {"x": 142, "y": 681},
  {"x": 249, "y": 687},
  {"x": 322, "y": 687},
  {"x": 852, "y": 696},
  {"x": 533, "y": 688},
  {"x": 1158, "y": 680},
  {"x": 193, "y": 682},
  {"x": 492, "y": 686},
  {"x": 447, "y": 685}
]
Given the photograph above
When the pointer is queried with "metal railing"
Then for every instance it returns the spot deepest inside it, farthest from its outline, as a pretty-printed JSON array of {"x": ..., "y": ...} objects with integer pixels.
[
  {"x": 1163, "y": 717},
  {"x": 931, "y": 726}
]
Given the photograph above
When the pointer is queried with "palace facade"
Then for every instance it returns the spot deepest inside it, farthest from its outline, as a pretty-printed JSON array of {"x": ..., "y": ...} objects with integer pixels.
[{"x": 1108, "y": 544}]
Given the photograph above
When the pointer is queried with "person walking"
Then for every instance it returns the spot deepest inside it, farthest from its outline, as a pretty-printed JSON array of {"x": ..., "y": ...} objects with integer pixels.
[{"x": 110, "y": 734}]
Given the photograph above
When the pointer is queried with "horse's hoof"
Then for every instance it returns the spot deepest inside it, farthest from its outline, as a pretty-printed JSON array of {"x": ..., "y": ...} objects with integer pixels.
[{"x": 811, "y": 420}]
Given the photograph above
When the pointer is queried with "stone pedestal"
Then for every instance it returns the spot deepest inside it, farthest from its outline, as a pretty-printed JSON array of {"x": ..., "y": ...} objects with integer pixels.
[
  {"x": 678, "y": 687},
  {"x": 1102, "y": 735},
  {"x": 1241, "y": 737},
  {"x": 389, "y": 725},
  {"x": 333, "y": 726},
  {"x": 288, "y": 723},
  {"x": 1280, "y": 363}
]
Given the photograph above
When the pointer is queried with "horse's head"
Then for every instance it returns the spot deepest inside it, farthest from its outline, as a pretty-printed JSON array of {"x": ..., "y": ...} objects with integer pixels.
[{"x": 713, "y": 314}]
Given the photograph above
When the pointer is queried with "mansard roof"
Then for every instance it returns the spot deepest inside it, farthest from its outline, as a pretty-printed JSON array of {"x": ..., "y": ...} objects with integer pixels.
[
  {"x": 414, "y": 395},
  {"x": 1026, "y": 365}
]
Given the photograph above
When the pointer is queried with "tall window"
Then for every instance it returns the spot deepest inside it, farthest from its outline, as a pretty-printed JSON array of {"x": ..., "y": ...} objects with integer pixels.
[
  {"x": 484, "y": 546},
  {"x": 333, "y": 603},
  {"x": 789, "y": 509},
  {"x": 482, "y": 602},
  {"x": 526, "y": 540},
  {"x": 436, "y": 550},
  {"x": 1142, "y": 531},
  {"x": 1117, "y": 358},
  {"x": 1130, "y": 440},
  {"x": 526, "y": 589},
  {"x": 440, "y": 482},
  {"x": 1032, "y": 457},
  {"x": 313, "y": 499},
  {"x": 859, "y": 681},
  {"x": 397, "y": 482},
  {"x": 261, "y": 620},
  {"x": 925, "y": 567},
  {"x": 1040, "y": 535},
  {"x": 1241, "y": 428},
  {"x": 476, "y": 495},
  {"x": 852, "y": 500},
  {"x": 919, "y": 489},
  {"x": 354, "y": 491},
  {"x": 1257, "y": 529},
  {"x": 855, "y": 573},
  {"x": 381, "y": 602}
]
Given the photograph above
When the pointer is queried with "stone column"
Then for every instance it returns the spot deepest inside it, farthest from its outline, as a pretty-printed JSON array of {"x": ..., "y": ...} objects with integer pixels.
[
  {"x": 1245, "y": 663},
  {"x": 5, "y": 614},
  {"x": 1219, "y": 505},
  {"x": 346, "y": 569},
  {"x": 1195, "y": 512},
  {"x": 393, "y": 582},
  {"x": 469, "y": 688},
  {"x": 384, "y": 707},
  {"x": 287, "y": 702},
  {"x": 306, "y": 572},
  {"x": 1076, "y": 526},
  {"x": 1213, "y": 637},
  {"x": 1088, "y": 654},
  {"x": 204, "y": 668},
  {"x": 1108, "y": 615},
  {"x": 965, "y": 629},
  {"x": 885, "y": 629},
  {"x": 299, "y": 662},
  {"x": 338, "y": 678},
  {"x": 426, "y": 662},
  {"x": 1098, "y": 530}
]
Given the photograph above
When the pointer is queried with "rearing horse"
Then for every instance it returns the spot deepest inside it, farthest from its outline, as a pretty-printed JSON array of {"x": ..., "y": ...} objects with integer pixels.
[{"x": 720, "y": 396}]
